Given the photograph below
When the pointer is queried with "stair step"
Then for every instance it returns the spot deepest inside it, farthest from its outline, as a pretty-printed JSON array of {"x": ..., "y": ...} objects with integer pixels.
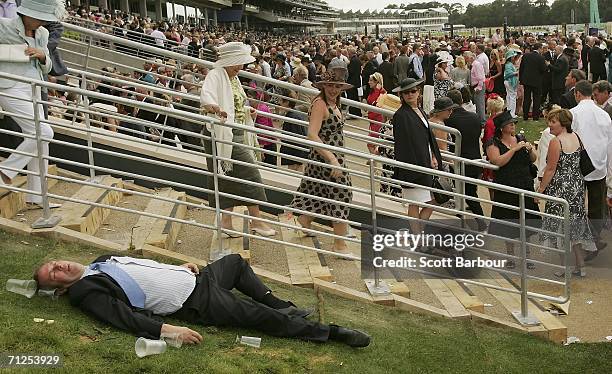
[
  {"x": 304, "y": 265},
  {"x": 12, "y": 202},
  {"x": 88, "y": 218},
  {"x": 157, "y": 232},
  {"x": 444, "y": 294}
]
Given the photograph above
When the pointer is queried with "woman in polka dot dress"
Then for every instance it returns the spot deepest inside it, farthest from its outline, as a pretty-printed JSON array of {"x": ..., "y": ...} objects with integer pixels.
[{"x": 325, "y": 126}]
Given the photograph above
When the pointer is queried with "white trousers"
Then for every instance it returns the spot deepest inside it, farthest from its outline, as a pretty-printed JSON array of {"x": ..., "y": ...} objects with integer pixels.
[
  {"x": 510, "y": 98},
  {"x": 21, "y": 103}
]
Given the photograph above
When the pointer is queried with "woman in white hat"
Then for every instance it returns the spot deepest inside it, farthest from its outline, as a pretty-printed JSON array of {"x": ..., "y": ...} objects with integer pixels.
[
  {"x": 223, "y": 95},
  {"x": 26, "y": 34}
]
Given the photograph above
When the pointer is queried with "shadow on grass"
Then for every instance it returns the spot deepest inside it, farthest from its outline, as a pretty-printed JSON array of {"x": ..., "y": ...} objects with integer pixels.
[{"x": 402, "y": 342}]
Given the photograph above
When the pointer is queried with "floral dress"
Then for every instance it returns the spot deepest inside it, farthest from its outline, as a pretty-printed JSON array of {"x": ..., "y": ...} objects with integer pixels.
[{"x": 568, "y": 184}]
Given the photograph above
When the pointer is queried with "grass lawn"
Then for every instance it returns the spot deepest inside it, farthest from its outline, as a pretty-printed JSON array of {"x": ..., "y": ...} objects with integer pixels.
[
  {"x": 532, "y": 129},
  {"x": 402, "y": 342}
]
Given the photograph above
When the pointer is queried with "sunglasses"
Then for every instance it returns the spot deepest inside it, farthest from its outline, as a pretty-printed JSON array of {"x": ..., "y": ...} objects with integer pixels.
[{"x": 414, "y": 90}]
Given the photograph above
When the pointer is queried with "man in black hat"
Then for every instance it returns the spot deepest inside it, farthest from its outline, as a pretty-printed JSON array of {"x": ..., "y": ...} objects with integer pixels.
[{"x": 468, "y": 124}]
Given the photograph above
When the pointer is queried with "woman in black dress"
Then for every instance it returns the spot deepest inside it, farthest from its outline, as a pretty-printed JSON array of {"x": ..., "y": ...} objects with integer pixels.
[
  {"x": 514, "y": 157},
  {"x": 496, "y": 73}
]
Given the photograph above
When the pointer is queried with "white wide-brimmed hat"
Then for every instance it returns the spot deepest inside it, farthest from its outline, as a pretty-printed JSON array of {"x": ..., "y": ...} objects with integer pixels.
[
  {"x": 43, "y": 10},
  {"x": 232, "y": 54}
]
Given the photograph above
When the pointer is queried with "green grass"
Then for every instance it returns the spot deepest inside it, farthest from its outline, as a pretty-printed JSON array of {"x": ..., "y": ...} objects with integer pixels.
[
  {"x": 532, "y": 129},
  {"x": 402, "y": 342}
]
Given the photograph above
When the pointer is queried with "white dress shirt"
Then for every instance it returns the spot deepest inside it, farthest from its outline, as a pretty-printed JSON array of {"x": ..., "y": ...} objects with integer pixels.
[
  {"x": 484, "y": 60},
  {"x": 166, "y": 287},
  {"x": 594, "y": 127},
  {"x": 543, "y": 150}
]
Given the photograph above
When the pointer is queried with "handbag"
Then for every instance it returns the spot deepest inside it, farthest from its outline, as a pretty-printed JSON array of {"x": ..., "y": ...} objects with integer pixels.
[
  {"x": 586, "y": 165},
  {"x": 489, "y": 84},
  {"x": 441, "y": 184}
]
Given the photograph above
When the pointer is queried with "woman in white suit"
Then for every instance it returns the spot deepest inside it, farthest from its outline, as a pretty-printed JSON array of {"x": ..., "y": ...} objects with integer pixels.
[{"x": 26, "y": 32}]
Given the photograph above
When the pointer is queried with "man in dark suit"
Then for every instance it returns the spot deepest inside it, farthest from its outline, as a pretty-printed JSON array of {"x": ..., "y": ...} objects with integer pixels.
[
  {"x": 386, "y": 70},
  {"x": 369, "y": 68},
  {"x": 584, "y": 55},
  {"x": 568, "y": 100},
  {"x": 559, "y": 67},
  {"x": 468, "y": 124},
  {"x": 549, "y": 58},
  {"x": 354, "y": 78},
  {"x": 597, "y": 59},
  {"x": 132, "y": 294},
  {"x": 531, "y": 71}
]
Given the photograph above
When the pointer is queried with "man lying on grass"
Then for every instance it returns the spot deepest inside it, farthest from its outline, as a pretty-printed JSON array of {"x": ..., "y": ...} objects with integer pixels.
[{"x": 131, "y": 294}]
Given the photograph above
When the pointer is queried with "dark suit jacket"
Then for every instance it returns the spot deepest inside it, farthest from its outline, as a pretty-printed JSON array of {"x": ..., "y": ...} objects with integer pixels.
[
  {"x": 354, "y": 72},
  {"x": 532, "y": 69},
  {"x": 386, "y": 69},
  {"x": 559, "y": 70},
  {"x": 369, "y": 68},
  {"x": 55, "y": 34},
  {"x": 584, "y": 55},
  {"x": 597, "y": 58},
  {"x": 568, "y": 101},
  {"x": 468, "y": 124},
  {"x": 101, "y": 297},
  {"x": 546, "y": 79},
  {"x": 412, "y": 142}
]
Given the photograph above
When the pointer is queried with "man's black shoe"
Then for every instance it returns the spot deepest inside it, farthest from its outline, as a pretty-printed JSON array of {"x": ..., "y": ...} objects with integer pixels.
[
  {"x": 294, "y": 311},
  {"x": 353, "y": 338}
]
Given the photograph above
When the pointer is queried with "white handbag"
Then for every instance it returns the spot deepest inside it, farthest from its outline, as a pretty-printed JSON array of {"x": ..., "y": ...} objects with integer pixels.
[{"x": 13, "y": 53}]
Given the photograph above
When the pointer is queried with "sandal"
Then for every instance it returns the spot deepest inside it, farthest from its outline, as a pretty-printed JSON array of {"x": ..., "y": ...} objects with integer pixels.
[{"x": 579, "y": 273}]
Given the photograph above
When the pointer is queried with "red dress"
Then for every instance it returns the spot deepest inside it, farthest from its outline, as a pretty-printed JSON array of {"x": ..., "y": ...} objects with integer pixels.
[
  {"x": 489, "y": 131},
  {"x": 372, "y": 98}
]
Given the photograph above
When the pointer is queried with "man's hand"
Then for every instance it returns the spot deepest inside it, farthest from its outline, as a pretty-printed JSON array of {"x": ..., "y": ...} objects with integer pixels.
[
  {"x": 36, "y": 53},
  {"x": 180, "y": 333},
  {"x": 193, "y": 267}
]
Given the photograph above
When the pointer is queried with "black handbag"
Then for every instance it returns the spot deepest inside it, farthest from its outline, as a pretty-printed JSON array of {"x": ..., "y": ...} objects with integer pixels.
[
  {"x": 441, "y": 184},
  {"x": 586, "y": 165}
]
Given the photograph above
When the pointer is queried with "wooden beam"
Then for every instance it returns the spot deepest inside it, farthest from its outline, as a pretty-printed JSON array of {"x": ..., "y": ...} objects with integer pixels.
[
  {"x": 470, "y": 302},
  {"x": 343, "y": 291},
  {"x": 153, "y": 250},
  {"x": 12, "y": 202},
  {"x": 160, "y": 232},
  {"x": 86, "y": 218},
  {"x": 557, "y": 331},
  {"x": 445, "y": 296},
  {"x": 414, "y": 306},
  {"x": 378, "y": 299}
]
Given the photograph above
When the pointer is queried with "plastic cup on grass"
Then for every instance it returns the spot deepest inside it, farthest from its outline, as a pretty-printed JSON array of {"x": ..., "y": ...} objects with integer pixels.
[
  {"x": 251, "y": 341},
  {"x": 146, "y": 347},
  {"x": 26, "y": 288}
]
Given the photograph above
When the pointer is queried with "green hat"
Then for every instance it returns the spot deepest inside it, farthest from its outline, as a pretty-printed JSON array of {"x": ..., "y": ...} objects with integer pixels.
[{"x": 511, "y": 53}]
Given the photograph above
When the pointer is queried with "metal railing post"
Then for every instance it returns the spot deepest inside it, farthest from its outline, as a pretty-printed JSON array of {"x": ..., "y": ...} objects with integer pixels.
[
  {"x": 523, "y": 316},
  {"x": 90, "y": 155},
  {"x": 376, "y": 287},
  {"x": 86, "y": 64},
  {"x": 46, "y": 221},
  {"x": 219, "y": 252}
]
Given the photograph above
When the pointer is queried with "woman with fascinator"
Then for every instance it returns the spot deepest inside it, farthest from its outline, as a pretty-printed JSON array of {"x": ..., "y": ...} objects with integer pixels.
[
  {"x": 326, "y": 126},
  {"x": 223, "y": 96},
  {"x": 26, "y": 36}
]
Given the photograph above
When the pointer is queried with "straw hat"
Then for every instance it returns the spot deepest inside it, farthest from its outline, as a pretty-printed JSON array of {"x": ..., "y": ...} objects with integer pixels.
[
  {"x": 232, "y": 54},
  {"x": 43, "y": 10},
  {"x": 389, "y": 101},
  {"x": 336, "y": 74}
]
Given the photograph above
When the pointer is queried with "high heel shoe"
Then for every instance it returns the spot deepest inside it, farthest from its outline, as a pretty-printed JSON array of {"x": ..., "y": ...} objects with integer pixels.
[
  {"x": 302, "y": 232},
  {"x": 263, "y": 232},
  {"x": 230, "y": 235}
]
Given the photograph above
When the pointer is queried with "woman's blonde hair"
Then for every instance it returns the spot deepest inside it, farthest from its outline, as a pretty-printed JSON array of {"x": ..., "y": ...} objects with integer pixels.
[
  {"x": 460, "y": 62},
  {"x": 564, "y": 117},
  {"x": 495, "y": 105},
  {"x": 378, "y": 78},
  {"x": 495, "y": 53}
]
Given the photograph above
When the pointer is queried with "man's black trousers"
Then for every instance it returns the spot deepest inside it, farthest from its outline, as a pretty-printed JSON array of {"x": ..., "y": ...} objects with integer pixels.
[
  {"x": 213, "y": 303},
  {"x": 535, "y": 93}
]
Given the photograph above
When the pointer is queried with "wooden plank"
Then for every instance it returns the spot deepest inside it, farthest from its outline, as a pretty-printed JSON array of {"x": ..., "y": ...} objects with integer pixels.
[
  {"x": 164, "y": 232},
  {"x": 270, "y": 275},
  {"x": 343, "y": 291},
  {"x": 86, "y": 218},
  {"x": 299, "y": 266},
  {"x": 557, "y": 331},
  {"x": 470, "y": 302},
  {"x": 71, "y": 236},
  {"x": 311, "y": 258},
  {"x": 153, "y": 250},
  {"x": 445, "y": 296},
  {"x": 144, "y": 228},
  {"x": 414, "y": 306},
  {"x": 12, "y": 202}
]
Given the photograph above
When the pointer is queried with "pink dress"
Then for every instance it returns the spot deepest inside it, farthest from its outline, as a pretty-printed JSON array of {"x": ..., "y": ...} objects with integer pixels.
[{"x": 264, "y": 122}]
